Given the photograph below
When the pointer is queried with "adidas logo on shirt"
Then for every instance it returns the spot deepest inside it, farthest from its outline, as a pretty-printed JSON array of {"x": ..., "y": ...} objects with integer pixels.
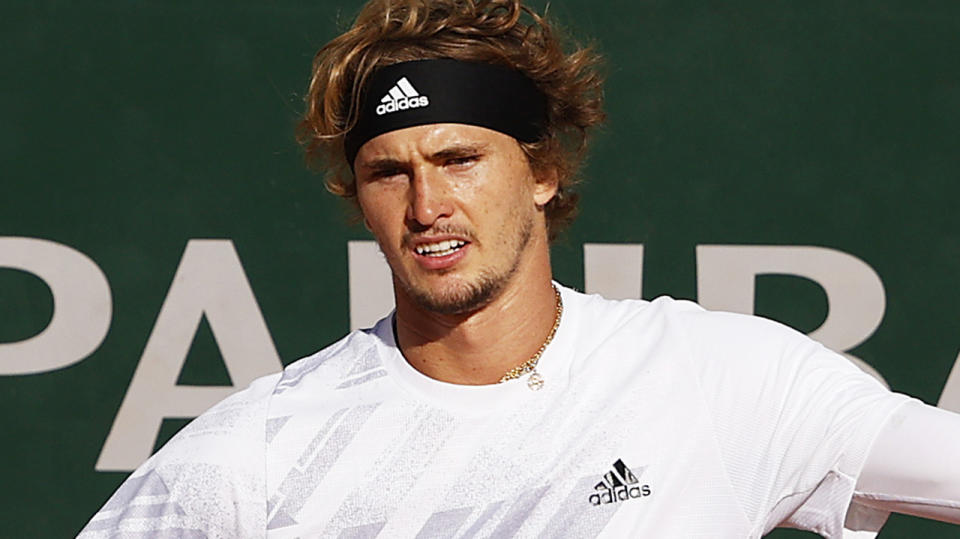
[
  {"x": 402, "y": 96},
  {"x": 619, "y": 484}
]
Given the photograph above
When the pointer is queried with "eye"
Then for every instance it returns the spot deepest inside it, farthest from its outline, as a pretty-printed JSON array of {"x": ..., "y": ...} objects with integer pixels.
[
  {"x": 461, "y": 161},
  {"x": 382, "y": 174},
  {"x": 387, "y": 173}
]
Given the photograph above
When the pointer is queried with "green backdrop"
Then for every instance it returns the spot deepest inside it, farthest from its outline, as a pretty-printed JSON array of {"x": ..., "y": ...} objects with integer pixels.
[{"x": 128, "y": 128}]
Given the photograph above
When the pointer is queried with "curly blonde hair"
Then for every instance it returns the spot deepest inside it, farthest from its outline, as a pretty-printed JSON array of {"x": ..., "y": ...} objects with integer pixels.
[{"x": 502, "y": 32}]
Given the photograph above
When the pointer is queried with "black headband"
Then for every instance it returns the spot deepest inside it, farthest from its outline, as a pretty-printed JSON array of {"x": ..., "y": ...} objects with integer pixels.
[{"x": 447, "y": 91}]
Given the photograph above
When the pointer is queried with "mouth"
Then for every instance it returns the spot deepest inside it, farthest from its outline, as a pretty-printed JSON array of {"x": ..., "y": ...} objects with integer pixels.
[
  {"x": 440, "y": 254},
  {"x": 440, "y": 248}
]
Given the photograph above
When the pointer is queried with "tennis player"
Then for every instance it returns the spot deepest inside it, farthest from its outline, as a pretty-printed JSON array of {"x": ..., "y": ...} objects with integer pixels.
[{"x": 494, "y": 401}]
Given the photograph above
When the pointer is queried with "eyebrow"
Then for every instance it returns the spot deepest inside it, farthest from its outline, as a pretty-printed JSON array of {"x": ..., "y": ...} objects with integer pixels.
[
  {"x": 458, "y": 150},
  {"x": 383, "y": 164},
  {"x": 452, "y": 152}
]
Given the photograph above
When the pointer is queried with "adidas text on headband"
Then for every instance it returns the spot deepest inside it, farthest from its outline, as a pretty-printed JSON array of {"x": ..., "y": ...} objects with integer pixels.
[{"x": 447, "y": 91}]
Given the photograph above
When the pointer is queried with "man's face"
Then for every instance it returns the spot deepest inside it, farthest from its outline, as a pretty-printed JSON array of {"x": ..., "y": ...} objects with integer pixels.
[{"x": 453, "y": 208}]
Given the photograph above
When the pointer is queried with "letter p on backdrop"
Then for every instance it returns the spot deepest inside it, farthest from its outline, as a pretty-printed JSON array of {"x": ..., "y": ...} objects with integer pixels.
[{"x": 82, "y": 306}]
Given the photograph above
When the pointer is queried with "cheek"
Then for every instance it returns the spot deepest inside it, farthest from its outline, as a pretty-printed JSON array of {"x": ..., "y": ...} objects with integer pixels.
[
  {"x": 365, "y": 212},
  {"x": 375, "y": 205},
  {"x": 497, "y": 188}
]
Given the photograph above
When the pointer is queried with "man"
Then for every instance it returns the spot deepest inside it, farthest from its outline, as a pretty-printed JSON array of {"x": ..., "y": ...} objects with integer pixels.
[{"x": 494, "y": 402}]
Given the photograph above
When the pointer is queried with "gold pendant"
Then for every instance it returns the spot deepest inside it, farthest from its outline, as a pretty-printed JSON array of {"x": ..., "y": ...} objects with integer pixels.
[{"x": 535, "y": 382}]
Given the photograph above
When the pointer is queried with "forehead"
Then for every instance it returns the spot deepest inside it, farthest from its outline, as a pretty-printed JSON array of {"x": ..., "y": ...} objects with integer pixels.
[{"x": 429, "y": 139}]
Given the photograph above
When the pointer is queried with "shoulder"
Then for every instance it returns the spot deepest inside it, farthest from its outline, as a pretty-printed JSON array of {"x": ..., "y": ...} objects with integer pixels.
[
  {"x": 235, "y": 422},
  {"x": 210, "y": 478},
  {"x": 717, "y": 350},
  {"x": 702, "y": 332},
  {"x": 204, "y": 481},
  {"x": 729, "y": 340},
  {"x": 358, "y": 354},
  {"x": 754, "y": 354},
  {"x": 239, "y": 420},
  {"x": 704, "y": 335},
  {"x": 760, "y": 353}
]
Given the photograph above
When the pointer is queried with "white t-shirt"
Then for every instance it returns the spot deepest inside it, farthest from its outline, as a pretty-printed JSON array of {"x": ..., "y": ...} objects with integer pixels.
[{"x": 656, "y": 419}]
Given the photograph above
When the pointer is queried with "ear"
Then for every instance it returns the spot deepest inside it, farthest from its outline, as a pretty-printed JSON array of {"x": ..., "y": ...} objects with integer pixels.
[{"x": 546, "y": 186}]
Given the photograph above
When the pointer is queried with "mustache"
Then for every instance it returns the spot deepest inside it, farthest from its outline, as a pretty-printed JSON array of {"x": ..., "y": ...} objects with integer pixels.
[{"x": 409, "y": 238}]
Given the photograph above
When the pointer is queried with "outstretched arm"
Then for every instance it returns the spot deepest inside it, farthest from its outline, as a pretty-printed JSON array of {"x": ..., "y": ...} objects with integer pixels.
[{"x": 914, "y": 465}]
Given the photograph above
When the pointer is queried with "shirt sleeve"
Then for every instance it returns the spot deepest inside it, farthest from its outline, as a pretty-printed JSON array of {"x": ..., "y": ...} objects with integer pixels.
[
  {"x": 912, "y": 467},
  {"x": 207, "y": 481},
  {"x": 794, "y": 421}
]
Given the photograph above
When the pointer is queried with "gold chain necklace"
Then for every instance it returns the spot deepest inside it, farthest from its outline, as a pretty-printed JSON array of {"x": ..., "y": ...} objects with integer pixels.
[{"x": 535, "y": 382}]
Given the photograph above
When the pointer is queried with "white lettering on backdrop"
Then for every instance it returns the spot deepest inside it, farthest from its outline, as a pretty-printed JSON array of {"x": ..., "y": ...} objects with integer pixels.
[
  {"x": 726, "y": 275},
  {"x": 210, "y": 281},
  {"x": 82, "y": 306}
]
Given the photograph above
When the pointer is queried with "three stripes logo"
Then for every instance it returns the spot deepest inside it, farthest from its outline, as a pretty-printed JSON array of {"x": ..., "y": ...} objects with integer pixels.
[
  {"x": 619, "y": 484},
  {"x": 402, "y": 96}
]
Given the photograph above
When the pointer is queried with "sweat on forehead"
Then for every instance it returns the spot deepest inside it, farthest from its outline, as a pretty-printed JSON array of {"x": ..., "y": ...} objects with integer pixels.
[{"x": 424, "y": 92}]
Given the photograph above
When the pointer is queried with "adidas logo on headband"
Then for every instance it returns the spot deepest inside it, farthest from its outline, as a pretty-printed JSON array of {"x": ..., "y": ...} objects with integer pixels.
[
  {"x": 402, "y": 96},
  {"x": 479, "y": 94}
]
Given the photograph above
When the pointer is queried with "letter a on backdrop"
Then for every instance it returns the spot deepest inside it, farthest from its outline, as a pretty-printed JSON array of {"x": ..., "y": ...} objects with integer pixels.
[{"x": 209, "y": 282}]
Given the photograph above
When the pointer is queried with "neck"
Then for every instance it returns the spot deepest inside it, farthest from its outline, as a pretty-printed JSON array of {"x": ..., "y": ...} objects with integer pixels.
[{"x": 479, "y": 347}]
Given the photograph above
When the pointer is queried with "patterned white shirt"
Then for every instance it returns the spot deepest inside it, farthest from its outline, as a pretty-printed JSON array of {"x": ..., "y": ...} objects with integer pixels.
[{"x": 656, "y": 419}]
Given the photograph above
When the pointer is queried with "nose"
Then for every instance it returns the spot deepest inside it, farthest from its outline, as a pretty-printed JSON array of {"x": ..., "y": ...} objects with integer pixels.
[{"x": 429, "y": 197}]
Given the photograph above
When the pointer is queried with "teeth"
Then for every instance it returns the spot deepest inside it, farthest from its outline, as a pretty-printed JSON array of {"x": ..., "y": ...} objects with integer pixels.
[{"x": 441, "y": 248}]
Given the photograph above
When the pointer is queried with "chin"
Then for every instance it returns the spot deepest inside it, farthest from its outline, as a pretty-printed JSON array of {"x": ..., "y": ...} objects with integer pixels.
[{"x": 457, "y": 298}]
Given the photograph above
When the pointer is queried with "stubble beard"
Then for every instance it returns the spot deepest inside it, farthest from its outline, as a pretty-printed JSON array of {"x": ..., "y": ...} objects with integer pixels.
[{"x": 472, "y": 296}]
